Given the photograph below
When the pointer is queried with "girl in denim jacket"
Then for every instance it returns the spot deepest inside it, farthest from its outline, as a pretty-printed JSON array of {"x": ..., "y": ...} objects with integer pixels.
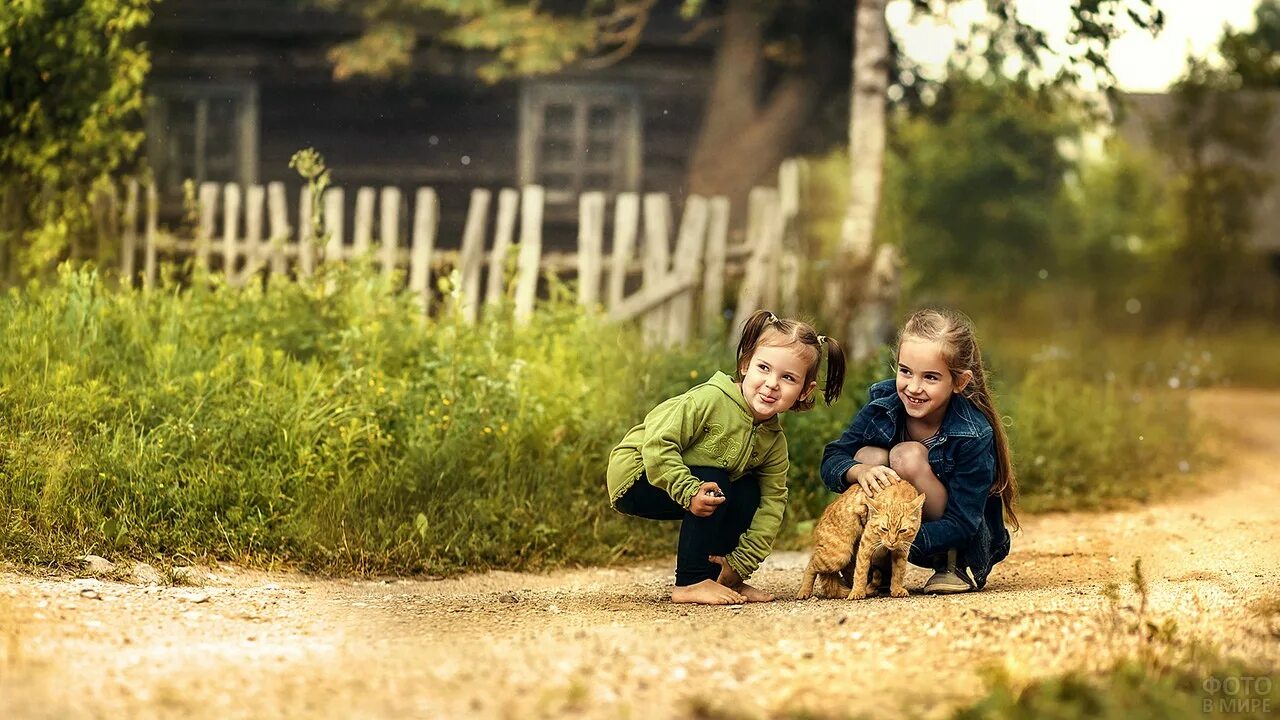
[
  {"x": 715, "y": 458},
  {"x": 935, "y": 425}
]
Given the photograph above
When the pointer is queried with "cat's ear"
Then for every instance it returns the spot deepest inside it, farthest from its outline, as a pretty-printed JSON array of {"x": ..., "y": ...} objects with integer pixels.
[
  {"x": 917, "y": 503},
  {"x": 875, "y": 506}
]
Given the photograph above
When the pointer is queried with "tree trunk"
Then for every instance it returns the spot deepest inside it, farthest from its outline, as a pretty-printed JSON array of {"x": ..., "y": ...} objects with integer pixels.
[
  {"x": 851, "y": 289},
  {"x": 743, "y": 140}
]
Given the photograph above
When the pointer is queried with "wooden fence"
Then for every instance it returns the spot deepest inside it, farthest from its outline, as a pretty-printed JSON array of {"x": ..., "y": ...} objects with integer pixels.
[{"x": 250, "y": 234}]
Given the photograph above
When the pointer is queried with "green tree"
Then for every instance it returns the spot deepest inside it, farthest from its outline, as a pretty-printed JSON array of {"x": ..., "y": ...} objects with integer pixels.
[{"x": 72, "y": 73}]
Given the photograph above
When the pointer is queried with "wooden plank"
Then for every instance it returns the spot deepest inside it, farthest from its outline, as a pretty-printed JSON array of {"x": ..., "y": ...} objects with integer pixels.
[
  {"x": 150, "y": 237},
  {"x": 255, "y": 246},
  {"x": 714, "y": 269},
  {"x": 590, "y": 247},
  {"x": 389, "y": 228},
  {"x": 789, "y": 283},
  {"x": 508, "y": 206},
  {"x": 333, "y": 224},
  {"x": 208, "y": 200},
  {"x": 657, "y": 260},
  {"x": 471, "y": 256},
  {"x": 652, "y": 296},
  {"x": 426, "y": 219},
  {"x": 230, "y": 227},
  {"x": 763, "y": 203},
  {"x": 532, "y": 200},
  {"x": 691, "y": 239},
  {"x": 129, "y": 240},
  {"x": 626, "y": 226},
  {"x": 308, "y": 243},
  {"x": 278, "y": 215},
  {"x": 362, "y": 236}
]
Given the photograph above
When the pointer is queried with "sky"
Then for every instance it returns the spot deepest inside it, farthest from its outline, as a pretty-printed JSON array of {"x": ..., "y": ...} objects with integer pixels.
[{"x": 1140, "y": 62}]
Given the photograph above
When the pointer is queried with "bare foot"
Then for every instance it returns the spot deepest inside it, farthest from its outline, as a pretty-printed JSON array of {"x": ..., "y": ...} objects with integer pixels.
[
  {"x": 753, "y": 594},
  {"x": 707, "y": 592}
]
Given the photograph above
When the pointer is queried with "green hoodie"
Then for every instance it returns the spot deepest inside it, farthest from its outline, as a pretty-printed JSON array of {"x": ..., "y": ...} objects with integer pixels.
[{"x": 708, "y": 426}]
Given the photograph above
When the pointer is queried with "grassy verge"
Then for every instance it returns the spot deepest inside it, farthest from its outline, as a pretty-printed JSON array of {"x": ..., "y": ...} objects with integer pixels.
[{"x": 330, "y": 426}]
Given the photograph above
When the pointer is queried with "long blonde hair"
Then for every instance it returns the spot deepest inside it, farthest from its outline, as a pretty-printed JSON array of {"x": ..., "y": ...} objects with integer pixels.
[{"x": 953, "y": 331}]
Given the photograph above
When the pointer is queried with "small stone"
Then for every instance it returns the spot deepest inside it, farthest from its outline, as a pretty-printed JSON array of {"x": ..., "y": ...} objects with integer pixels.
[
  {"x": 185, "y": 575},
  {"x": 508, "y": 598},
  {"x": 553, "y": 608},
  {"x": 97, "y": 565},
  {"x": 144, "y": 574},
  {"x": 196, "y": 598},
  {"x": 90, "y": 594}
]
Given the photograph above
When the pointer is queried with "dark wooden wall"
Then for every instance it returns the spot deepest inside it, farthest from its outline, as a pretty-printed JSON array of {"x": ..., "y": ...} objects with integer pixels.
[{"x": 413, "y": 130}]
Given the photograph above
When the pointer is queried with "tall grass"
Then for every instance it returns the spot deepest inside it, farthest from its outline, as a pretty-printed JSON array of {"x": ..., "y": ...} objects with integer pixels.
[{"x": 329, "y": 425}]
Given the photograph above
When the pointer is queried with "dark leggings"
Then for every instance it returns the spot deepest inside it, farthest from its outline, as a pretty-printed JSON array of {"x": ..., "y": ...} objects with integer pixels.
[{"x": 716, "y": 534}]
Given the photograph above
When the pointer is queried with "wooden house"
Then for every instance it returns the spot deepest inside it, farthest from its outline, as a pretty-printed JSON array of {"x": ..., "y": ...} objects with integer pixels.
[{"x": 237, "y": 86}]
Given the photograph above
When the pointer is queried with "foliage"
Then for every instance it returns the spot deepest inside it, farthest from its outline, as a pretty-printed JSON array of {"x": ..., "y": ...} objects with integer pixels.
[{"x": 73, "y": 75}]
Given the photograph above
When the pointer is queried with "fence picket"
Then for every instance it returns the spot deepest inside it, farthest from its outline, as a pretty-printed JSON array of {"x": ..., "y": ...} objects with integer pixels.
[
  {"x": 389, "y": 229},
  {"x": 150, "y": 238},
  {"x": 426, "y": 218},
  {"x": 333, "y": 217},
  {"x": 590, "y": 247},
  {"x": 626, "y": 225},
  {"x": 306, "y": 235},
  {"x": 278, "y": 215},
  {"x": 657, "y": 260},
  {"x": 508, "y": 206},
  {"x": 713, "y": 273},
  {"x": 471, "y": 256},
  {"x": 690, "y": 241},
  {"x": 230, "y": 227},
  {"x": 208, "y": 200},
  {"x": 362, "y": 237},
  {"x": 255, "y": 248},
  {"x": 531, "y": 203},
  {"x": 751, "y": 295}
]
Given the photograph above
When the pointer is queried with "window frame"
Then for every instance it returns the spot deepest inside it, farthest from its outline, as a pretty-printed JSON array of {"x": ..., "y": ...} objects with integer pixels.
[
  {"x": 626, "y": 170},
  {"x": 160, "y": 98}
]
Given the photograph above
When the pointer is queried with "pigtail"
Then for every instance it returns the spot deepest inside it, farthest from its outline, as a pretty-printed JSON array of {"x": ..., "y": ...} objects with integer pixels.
[
  {"x": 835, "y": 369},
  {"x": 751, "y": 331},
  {"x": 1006, "y": 483}
]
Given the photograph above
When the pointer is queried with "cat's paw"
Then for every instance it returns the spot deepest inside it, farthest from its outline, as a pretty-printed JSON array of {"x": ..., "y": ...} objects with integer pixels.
[
  {"x": 898, "y": 592},
  {"x": 858, "y": 594}
]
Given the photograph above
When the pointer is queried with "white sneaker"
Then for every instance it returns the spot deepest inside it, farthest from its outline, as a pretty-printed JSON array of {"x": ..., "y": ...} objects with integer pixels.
[{"x": 950, "y": 580}]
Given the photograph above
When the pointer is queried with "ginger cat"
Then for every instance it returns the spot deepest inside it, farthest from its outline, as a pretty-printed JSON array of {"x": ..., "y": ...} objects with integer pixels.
[{"x": 860, "y": 534}]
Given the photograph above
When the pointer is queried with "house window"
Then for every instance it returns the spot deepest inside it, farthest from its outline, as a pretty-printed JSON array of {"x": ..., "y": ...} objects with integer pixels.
[
  {"x": 579, "y": 137},
  {"x": 203, "y": 132}
]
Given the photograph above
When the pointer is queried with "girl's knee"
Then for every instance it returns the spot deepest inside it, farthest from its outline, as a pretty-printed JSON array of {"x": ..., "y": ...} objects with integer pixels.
[
  {"x": 909, "y": 458},
  {"x": 870, "y": 455}
]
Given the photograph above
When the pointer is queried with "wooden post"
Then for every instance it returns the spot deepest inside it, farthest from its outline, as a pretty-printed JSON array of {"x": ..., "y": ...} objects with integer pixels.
[
  {"x": 690, "y": 240},
  {"x": 150, "y": 238},
  {"x": 109, "y": 232},
  {"x": 362, "y": 237},
  {"x": 230, "y": 227},
  {"x": 761, "y": 216},
  {"x": 426, "y": 217},
  {"x": 129, "y": 244},
  {"x": 389, "y": 228},
  {"x": 531, "y": 202},
  {"x": 208, "y": 199},
  {"x": 713, "y": 273},
  {"x": 306, "y": 242},
  {"x": 255, "y": 249},
  {"x": 789, "y": 283},
  {"x": 471, "y": 255},
  {"x": 590, "y": 247},
  {"x": 278, "y": 214},
  {"x": 657, "y": 260},
  {"x": 508, "y": 206},
  {"x": 333, "y": 224},
  {"x": 626, "y": 225}
]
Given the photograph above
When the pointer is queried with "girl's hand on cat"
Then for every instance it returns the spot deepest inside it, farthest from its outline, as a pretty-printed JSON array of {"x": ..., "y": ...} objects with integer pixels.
[
  {"x": 874, "y": 478},
  {"x": 728, "y": 576},
  {"x": 705, "y": 503}
]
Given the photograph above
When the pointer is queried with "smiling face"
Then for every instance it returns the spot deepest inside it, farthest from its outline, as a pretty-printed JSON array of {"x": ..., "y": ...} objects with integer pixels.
[
  {"x": 924, "y": 382},
  {"x": 774, "y": 378}
]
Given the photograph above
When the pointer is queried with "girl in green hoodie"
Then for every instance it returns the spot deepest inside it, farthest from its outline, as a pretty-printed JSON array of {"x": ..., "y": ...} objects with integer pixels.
[{"x": 715, "y": 458}]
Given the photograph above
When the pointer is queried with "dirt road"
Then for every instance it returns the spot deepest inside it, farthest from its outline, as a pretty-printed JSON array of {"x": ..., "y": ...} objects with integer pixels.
[{"x": 605, "y": 643}]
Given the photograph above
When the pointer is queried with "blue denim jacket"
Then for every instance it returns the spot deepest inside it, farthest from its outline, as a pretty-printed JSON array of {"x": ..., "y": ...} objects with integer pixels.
[{"x": 964, "y": 460}]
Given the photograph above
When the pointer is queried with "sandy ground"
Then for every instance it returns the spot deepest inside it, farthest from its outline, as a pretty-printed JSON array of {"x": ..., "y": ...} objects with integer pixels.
[{"x": 605, "y": 643}]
